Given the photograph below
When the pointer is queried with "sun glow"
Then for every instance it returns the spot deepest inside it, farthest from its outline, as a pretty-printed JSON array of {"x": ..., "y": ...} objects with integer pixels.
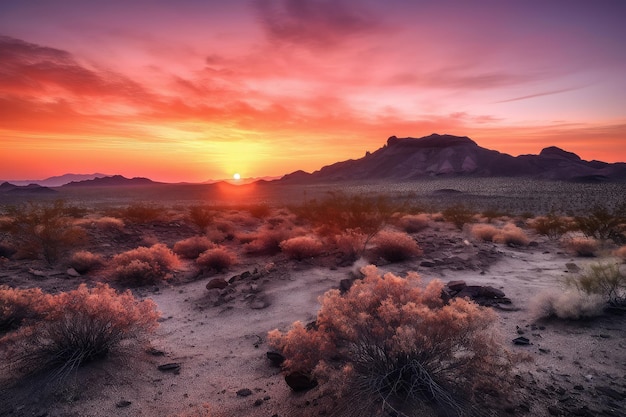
[{"x": 236, "y": 176}]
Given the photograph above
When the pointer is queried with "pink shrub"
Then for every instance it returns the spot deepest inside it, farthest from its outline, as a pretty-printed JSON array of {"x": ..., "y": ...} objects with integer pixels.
[
  {"x": 18, "y": 305},
  {"x": 390, "y": 343},
  {"x": 511, "y": 235},
  {"x": 143, "y": 266},
  {"x": 218, "y": 259},
  {"x": 581, "y": 246},
  {"x": 85, "y": 261},
  {"x": 351, "y": 243},
  {"x": 413, "y": 223},
  {"x": 267, "y": 240},
  {"x": 301, "y": 247},
  {"x": 484, "y": 232},
  {"x": 395, "y": 246},
  {"x": 192, "y": 247}
]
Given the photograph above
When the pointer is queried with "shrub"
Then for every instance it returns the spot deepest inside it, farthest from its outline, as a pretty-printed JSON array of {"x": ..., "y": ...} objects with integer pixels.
[
  {"x": 142, "y": 213},
  {"x": 603, "y": 224},
  {"x": 395, "y": 246},
  {"x": 604, "y": 279},
  {"x": 78, "y": 327},
  {"x": 267, "y": 240},
  {"x": 109, "y": 223},
  {"x": 18, "y": 305},
  {"x": 301, "y": 247},
  {"x": 621, "y": 253},
  {"x": 398, "y": 346},
  {"x": 566, "y": 305},
  {"x": 85, "y": 261},
  {"x": 511, "y": 235},
  {"x": 458, "y": 215},
  {"x": 201, "y": 216},
  {"x": 351, "y": 243},
  {"x": 484, "y": 232},
  {"x": 413, "y": 223},
  {"x": 44, "y": 230},
  {"x": 552, "y": 226},
  {"x": 143, "y": 266},
  {"x": 192, "y": 247},
  {"x": 218, "y": 259},
  {"x": 582, "y": 246}
]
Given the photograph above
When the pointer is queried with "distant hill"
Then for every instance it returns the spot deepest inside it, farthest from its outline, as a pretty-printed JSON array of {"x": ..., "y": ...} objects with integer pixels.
[
  {"x": 59, "y": 180},
  {"x": 403, "y": 159},
  {"x": 12, "y": 189},
  {"x": 112, "y": 181}
]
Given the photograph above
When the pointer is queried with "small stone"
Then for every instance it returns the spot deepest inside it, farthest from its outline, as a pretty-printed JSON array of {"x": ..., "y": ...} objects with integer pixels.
[
  {"x": 521, "y": 341},
  {"x": 275, "y": 358},
  {"x": 299, "y": 381},
  {"x": 123, "y": 403},
  {"x": 258, "y": 402},
  {"x": 244, "y": 392},
  {"x": 456, "y": 285},
  {"x": 169, "y": 367},
  {"x": 72, "y": 273},
  {"x": 426, "y": 263},
  {"x": 217, "y": 283}
]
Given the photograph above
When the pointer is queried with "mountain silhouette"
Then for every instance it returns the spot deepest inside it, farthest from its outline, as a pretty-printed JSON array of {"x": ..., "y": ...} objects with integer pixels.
[
  {"x": 112, "y": 181},
  {"x": 405, "y": 159}
]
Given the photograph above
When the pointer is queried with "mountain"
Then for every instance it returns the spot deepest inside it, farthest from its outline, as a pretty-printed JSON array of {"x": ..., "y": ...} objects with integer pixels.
[
  {"x": 12, "y": 189},
  {"x": 404, "y": 159},
  {"x": 59, "y": 180},
  {"x": 112, "y": 181}
]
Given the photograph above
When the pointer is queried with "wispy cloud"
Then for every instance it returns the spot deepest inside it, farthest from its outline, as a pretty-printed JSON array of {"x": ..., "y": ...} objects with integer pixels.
[{"x": 545, "y": 93}]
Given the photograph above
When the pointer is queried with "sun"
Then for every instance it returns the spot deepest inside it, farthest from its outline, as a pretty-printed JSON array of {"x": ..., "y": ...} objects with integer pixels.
[{"x": 236, "y": 176}]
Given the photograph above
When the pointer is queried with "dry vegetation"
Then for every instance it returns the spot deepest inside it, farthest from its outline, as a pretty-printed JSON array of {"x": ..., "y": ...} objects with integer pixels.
[{"x": 387, "y": 344}]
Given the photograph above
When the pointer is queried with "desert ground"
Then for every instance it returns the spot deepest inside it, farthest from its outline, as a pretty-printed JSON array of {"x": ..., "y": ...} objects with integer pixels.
[{"x": 208, "y": 355}]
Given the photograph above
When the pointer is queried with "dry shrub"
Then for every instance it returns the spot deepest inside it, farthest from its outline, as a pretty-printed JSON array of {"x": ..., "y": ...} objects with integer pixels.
[
  {"x": 413, "y": 223},
  {"x": 192, "y": 247},
  {"x": 78, "y": 327},
  {"x": 201, "y": 216},
  {"x": 267, "y": 240},
  {"x": 458, "y": 215},
  {"x": 511, "y": 235},
  {"x": 484, "y": 232},
  {"x": 395, "y": 346},
  {"x": 142, "y": 213},
  {"x": 351, "y": 243},
  {"x": 143, "y": 266},
  {"x": 621, "y": 253},
  {"x": 603, "y": 279},
  {"x": 395, "y": 246},
  {"x": 42, "y": 230},
  {"x": 302, "y": 247},
  {"x": 581, "y": 246},
  {"x": 572, "y": 305},
  {"x": 18, "y": 305},
  {"x": 552, "y": 226},
  {"x": 603, "y": 224},
  {"x": 85, "y": 261},
  {"x": 218, "y": 259}
]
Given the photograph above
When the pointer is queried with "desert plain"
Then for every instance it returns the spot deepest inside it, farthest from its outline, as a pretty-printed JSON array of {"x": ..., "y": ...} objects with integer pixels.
[{"x": 208, "y": 355}]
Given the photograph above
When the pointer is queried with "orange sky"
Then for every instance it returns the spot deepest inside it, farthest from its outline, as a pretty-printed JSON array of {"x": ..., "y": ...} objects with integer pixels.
[{"x": 194, "y": 90}]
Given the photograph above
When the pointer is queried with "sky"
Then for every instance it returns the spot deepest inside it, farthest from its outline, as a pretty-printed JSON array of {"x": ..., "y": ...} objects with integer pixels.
[{"x": 192, "y": 90}]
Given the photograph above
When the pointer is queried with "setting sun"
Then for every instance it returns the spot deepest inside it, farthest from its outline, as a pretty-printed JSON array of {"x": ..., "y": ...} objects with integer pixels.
[{"x": 236, "y": 176}]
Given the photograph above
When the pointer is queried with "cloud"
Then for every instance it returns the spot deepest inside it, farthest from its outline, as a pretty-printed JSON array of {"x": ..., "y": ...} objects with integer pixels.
[
  {"x": 545, "y": 93},
  {"x": 313, "y": 23}
]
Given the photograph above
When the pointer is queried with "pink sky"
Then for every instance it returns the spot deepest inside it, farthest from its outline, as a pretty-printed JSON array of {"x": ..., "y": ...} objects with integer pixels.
[{"x": 192, "y": 90}]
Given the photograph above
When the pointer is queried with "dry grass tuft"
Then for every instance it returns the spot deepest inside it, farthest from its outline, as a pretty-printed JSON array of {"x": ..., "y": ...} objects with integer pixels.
[
  {"x": 302, "y": 247},
  {"x": 217, "y": 259},
  {"x": 144, "y": 266},
  {"x": 85, "y": 261},
  {"x": 192, "y": 247},
  {"x": 571, "y": 305},
  {"x": 395, "y": 246},
  {"x": 582, "y": 246}
]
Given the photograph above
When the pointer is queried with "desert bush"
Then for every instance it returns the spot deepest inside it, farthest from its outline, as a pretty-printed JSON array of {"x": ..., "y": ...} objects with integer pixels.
[
  {"x": 603, "y": 224},
  {"x": 42, "y": 230},
  {"x": 259, "y": 211},
  {"x": 108, "y": 223},
  {"x": 350, "y": 243},
  {"x": 604, "y": 279},
  {"x": 143, "y": 266},
  {"x": 201, "y": 216},
  {"x": 142, "y": 213},
  {"x": 458, "y": 215},
  {"x": 395, "y": 246},
  {"x": 301, "y": 247},
  {"x": 413, "y": 223},
  {"x": 571, "y": 305},
  {"x": 491, "y": 214},
  {"x": 511, "y": 235},
  {"x": 19, "y": 305},
  {"x": 397, "y": 347},
  {"x": 85, "y": 261},
  {"x": 484, "y": 232},
  {"x": 78, "y": 327},
  {"x": 218, "y": 259},
  {"x": 581, "y": 246},
  {"x": 192, "y": 247},
  {"x": 268, "y": 239},
  {"x": 551, "y": 225}
]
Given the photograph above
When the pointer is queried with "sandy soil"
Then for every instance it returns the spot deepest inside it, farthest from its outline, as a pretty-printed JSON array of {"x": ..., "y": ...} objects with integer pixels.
[{"x": 218, "y": 337}]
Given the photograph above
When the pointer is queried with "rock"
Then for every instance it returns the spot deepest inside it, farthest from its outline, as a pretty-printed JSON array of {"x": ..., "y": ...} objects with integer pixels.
[
  {"x": 275, "y": 358},
  {"x": 345, "y": 284},
  {"x": 36, "y": 272},
  {"x": 572, "y": 267},
  {"x": 72, "y": 273},
  {"x": 170, "y": 367},
  {"x": 258, "y": 402},
  {"x": 217, "y": 283},
  {"x": 427, "y": 263},
  {"x": 258, "y": 302},
  {"x": 299, "y": 381},
  {"x": 123, "y": 403},
  {"x": 490, "y": 292},
  {"x": 244, "y": 392},
  {"x": 456, "y": 285},
  {"x": 554, "y": 411},
  {"x": 521, "y": 341}
]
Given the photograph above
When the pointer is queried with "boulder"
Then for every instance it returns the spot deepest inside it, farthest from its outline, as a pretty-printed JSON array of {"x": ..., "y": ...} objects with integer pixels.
[
  {"x": 456, "y": 285},
  {"x": 217, "y": 283},
  {"x": 300, "y": 381}
]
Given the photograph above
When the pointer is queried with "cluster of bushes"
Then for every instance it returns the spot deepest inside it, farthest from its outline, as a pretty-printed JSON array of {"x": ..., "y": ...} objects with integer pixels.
[
  {"x": 391, "y": 344},
  {"x": 509, "y": 234}
]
